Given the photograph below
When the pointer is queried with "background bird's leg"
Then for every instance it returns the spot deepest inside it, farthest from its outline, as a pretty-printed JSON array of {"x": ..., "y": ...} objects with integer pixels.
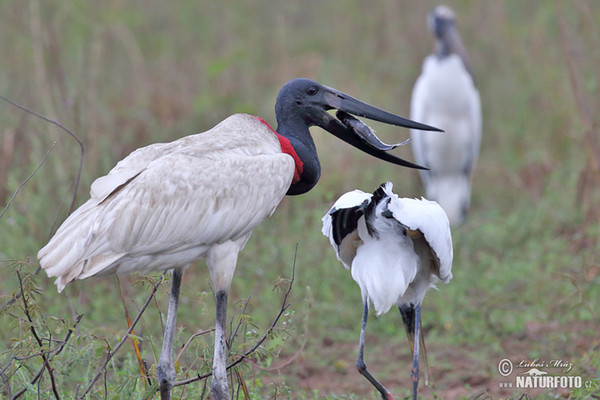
[
  {"x": 219, "y": 379},
  {"x": 360, "y": 363},
  {"x": 408, "y": 318},
  {"x": 415, "y": 369},
  {"x": 165, "y": 368},
  {"x": 411, "y": 316}
]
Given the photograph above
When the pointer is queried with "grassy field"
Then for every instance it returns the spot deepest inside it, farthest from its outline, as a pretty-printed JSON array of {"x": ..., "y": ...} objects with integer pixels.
[{"x": 121, "y": 75}]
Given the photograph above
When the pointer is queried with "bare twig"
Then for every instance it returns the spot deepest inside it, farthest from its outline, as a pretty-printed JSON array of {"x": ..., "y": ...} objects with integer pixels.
[
  {"x": 52, "y": 353},
  {"x": 239, "y": 324},
  {"x": 59, "y": 125},
  {"x": 291, "y": 358},
  {"x": 242, "y": 383},
  {"x": 136, "y": 347},
  {"x": 27, "y": 180},
  {"x": 37, "y": 339},
  {"x": 247, "y": 353},
  {"x": 33, "y": 380},
  {"x": 111, "y": 354},
  {"x": 5, "y": 380},
  {"x": 189, "y": 341}
]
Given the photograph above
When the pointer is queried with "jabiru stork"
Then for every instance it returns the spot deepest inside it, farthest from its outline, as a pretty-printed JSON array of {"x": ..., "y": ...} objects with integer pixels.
[
  {"x": 445, "y": 95},
  {"x": 396, "y": 249},
  {"x": 168, "y": 204}
]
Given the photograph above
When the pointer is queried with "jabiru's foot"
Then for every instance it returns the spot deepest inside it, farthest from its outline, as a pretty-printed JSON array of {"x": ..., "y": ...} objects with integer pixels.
[
  {"x": 218, "y": 384},
  {"x": 166, "y": 378}
]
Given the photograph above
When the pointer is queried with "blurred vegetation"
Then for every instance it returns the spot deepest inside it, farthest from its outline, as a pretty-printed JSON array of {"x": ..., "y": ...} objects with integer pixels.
[{"x": 123, "y": 74}]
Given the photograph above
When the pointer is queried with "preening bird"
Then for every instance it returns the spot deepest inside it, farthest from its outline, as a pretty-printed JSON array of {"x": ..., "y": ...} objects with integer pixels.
[
  {"x": 445, "y": 95},
  {"x": 169, "y": 204},
  {"x": 396, "y": 249}
]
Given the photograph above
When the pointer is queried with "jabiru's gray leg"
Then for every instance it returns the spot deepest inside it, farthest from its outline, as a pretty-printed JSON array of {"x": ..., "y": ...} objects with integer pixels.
[
  {"x": 165, "y": 368},
  {"x": 360, "y": 363},
  {"x": 219, "y": 379},
  {"x": 411, "y": 316},
  {"x": 221, "y": 261}
]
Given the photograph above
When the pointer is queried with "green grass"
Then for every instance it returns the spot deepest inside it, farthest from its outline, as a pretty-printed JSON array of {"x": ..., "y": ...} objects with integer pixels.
[{"x": 122, "y": 75}]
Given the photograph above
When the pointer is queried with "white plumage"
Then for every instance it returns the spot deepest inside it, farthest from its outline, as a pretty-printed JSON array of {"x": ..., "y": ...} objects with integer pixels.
[
  {"x": 396, "y": 249},
  {"x": 445, "y": 95},
  {"x": 386, "y": 257},
  {"x": 169, "y": 204},
  {"x": 127, "y": 225}
]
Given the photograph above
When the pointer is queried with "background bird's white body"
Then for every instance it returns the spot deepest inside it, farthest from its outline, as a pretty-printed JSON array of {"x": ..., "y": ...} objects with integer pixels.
[
  {"x": 392, "y": 260},
  {"x": 165, "y": 206},
  {"x": 445, "y": 95}
]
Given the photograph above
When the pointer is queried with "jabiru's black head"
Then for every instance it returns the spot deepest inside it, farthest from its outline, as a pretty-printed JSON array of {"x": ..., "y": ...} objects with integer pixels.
[{"x": 303, "y": 103}]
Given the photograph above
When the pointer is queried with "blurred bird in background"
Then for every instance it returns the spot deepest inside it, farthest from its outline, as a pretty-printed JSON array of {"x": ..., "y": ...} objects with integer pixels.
[{"x": 445, "y": 96}]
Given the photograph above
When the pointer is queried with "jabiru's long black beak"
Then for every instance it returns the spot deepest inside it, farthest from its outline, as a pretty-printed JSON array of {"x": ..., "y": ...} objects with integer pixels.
[{"x": 355, "y": 132}]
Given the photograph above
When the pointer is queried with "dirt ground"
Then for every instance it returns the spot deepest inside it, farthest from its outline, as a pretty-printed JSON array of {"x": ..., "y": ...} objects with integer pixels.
[{"x": 457, "y": 373}]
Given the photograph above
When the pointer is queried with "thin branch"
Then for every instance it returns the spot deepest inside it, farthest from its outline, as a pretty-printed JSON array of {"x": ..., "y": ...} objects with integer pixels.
[
  {"x": 37, "y": 338},
  {"x": 27, "y": 180},
  {"x": 239, "y": 324},
  {"x": 291, "y": 358},
  {"x": 111, "y": 354},
  {"x": 136, "y": 347},
  {"x": 33, "y": 380},
  {"x": 69, "y": 333},
  {"x": 6, "y": 382},
  {"x": 189, "y": 341},
  {"x": 250, "y": 351},
  {"x": 51, "y": 352},
  {"x": 59, "y": 125}
]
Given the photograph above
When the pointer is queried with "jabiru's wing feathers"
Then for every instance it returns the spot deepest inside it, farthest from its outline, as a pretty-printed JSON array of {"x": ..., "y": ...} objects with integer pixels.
[{"x": 213, "y": 187}]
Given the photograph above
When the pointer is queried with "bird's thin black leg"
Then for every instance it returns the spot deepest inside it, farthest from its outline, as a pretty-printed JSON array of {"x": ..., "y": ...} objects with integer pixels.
[
  {"x": 165, "y": 368},
  {"x": 415, "y": 369},
  {"x": 219, "y": 379},
  {"x": 360, "y": 363}
]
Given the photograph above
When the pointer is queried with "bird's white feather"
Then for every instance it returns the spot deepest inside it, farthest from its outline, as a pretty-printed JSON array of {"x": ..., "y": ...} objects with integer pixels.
[
  {"x": 430, "y": 219},
  {"x": 390, "y": 265},
  {"x": 167, "y": 205},
  {"x": 385, "y": 265},
  {"x": 346, "y": 251}
]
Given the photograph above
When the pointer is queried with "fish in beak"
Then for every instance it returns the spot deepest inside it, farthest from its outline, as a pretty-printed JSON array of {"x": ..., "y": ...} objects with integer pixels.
[{"x": 355, "y": 132}]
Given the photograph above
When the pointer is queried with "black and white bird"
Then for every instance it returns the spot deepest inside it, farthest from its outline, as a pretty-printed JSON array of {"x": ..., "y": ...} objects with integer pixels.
[
  {"x": 396, "y": 249},
  {"x": 445, "y": 95},
  {"x": 167, "y": 205}
]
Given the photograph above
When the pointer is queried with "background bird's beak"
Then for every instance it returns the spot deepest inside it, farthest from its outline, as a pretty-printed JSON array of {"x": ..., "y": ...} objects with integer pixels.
[{"x": 359, "y": 135}]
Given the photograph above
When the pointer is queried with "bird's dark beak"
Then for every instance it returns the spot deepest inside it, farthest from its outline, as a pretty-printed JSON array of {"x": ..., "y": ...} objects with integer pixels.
[{"x": 355, "y": 132}]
